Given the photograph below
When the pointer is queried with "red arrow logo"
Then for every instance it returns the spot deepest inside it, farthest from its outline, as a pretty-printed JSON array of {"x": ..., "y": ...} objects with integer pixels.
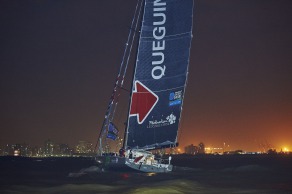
[{"x": 143, "y": 101}]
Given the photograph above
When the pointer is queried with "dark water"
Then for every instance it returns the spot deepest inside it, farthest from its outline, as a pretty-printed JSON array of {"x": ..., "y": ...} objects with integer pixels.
[{"x": 240, "y": 174}]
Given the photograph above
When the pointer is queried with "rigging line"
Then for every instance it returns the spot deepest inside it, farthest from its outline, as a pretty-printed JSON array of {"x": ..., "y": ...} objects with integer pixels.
[
  {"x": 129, "y": 54},
  {"x": 133, "y": 38},
  {"x": 118, "y": 80},
  {"x": 126, "y": 53},
  {"x": 129, "y": 38},
  {"x": 108, "y": 111},
  {"x": 125, "y": 89},
  {"x": 112, "y": 99}
]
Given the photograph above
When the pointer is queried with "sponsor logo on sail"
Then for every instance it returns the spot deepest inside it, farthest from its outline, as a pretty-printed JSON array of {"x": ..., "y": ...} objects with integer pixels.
[
  {"x": 169, "y": 120},
  {"x": 175, "y": 98}
]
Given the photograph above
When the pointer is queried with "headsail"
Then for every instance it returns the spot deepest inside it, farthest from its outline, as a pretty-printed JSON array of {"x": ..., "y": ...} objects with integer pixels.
[{"x": 160, "y": 73}]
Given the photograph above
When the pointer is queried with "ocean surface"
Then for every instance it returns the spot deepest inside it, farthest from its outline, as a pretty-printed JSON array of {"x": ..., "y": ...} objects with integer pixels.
[{"x": 240, "y": 174}]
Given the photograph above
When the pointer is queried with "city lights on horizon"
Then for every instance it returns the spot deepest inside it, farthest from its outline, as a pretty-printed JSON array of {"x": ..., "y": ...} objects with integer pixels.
[
  {"x": 210, "y": 148},
  {"x": 88, "y": 147},
  {"x": 285, "y": 149}
]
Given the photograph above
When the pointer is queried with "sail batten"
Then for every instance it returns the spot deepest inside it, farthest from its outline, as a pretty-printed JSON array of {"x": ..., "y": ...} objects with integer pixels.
[
  {"x": 170, "y": 36},
  {"x": 160, "y": 74}
]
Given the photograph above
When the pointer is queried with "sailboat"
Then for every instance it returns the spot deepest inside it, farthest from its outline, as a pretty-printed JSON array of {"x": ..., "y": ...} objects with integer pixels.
[{"x": 159, "y": 80}]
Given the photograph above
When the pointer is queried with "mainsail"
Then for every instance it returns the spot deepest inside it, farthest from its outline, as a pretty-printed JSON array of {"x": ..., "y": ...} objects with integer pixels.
[{"x": 160, "y": 74}]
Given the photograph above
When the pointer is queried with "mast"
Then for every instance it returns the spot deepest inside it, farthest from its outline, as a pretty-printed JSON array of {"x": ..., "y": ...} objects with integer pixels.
[
  {"x": 109, "y": 115},
  {"x": 132, "y": 84}
]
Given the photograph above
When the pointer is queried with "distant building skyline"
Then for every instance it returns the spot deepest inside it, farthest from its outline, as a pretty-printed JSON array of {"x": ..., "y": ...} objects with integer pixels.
[
  {"x": 49, "y": 148},
  {"x": 52, "y": 148}
]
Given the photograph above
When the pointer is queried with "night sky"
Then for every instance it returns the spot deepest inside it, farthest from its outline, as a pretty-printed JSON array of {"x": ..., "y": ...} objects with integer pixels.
[{"x": 59, "y": 60}]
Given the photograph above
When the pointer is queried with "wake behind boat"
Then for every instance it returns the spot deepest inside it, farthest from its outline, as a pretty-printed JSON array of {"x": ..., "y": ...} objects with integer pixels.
[{"x": 158, "y": 86}]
